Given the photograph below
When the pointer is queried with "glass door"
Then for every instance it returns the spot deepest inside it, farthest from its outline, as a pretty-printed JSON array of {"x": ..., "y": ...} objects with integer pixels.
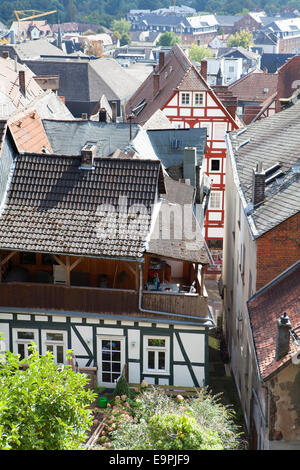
[{"x": 111, "y": 360}]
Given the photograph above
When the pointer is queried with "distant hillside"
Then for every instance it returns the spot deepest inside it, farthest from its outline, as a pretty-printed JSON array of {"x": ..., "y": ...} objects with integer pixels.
[{"x": 104, "y": 11}]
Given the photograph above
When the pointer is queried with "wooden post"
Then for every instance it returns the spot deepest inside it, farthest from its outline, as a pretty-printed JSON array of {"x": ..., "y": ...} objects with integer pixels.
[
  {"x": 4, "y": 260},
  {"x": 68, "y": 271}
]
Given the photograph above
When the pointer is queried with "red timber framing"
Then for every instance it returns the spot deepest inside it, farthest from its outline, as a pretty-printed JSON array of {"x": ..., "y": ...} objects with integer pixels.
[{"x": 191, "y": 109}]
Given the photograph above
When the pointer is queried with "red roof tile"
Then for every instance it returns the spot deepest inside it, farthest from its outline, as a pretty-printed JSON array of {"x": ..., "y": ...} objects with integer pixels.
[
  {"x": 255, "y": 86},
  {"x": 265, "y": 308}
]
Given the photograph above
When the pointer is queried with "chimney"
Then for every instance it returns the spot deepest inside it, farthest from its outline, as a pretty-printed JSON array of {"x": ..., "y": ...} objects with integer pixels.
[
  {"x": 88, "y": 153},
  {"x": 114, "y": 111},
  {"x": 22, "y": 81},
  {"x": 5, "y": 54},
  {"x": 155, "y": 83},
  {"x": 283, "y": 336},
  {"x": 258, "y": 184},
  {"x": 102, "y": 115},
  {"x": 161, "y": 60},
  {"x": 189, "y": 164},
  {"x": 203, "y": 69}
]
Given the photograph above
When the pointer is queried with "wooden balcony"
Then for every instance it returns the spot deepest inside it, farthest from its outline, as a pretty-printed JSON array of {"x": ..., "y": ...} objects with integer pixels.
[{"x": 53, "y": 297}]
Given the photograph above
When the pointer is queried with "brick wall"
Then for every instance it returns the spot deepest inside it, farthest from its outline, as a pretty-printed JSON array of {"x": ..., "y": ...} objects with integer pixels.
[{"x": 277, "y": 250}]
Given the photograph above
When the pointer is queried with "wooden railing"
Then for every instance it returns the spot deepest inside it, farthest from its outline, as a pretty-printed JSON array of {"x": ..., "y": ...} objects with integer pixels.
[
  {"x": 70, "y": 299},
  {"x": 54, "y": 297}
]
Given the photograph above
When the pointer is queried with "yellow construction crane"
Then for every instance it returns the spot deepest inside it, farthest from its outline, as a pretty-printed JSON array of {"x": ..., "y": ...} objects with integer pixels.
[{"x": 32, "y": 14}]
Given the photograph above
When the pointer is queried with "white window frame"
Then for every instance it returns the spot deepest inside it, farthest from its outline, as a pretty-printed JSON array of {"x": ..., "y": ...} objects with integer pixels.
[
  {"x": 199, "y": 102},
  {"x": 183, "y": 98},
  {"x": 122, "y": 357},
  {"x": 26, "y": 342},
  {"x": 46, "y": 342},
  {"x": 156, "y": 350},
  {"x": 215, "y": 204}
]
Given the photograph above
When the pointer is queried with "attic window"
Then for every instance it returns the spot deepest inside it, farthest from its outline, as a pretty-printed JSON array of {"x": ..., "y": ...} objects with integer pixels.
[{"x": 139, "y": 107}]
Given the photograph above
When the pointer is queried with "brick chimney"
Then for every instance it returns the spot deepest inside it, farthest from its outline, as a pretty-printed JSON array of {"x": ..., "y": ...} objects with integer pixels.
[
  {"x": 155, "y": 83},
  {"x": 22, "y": 81},
  {"x": 203, "y": 69},
  {"x": 283, "y": 336},
  {"x": 258, "y": 184},
  {"x": 102, "y": 115},
  {"x": 161, "y": 60}
]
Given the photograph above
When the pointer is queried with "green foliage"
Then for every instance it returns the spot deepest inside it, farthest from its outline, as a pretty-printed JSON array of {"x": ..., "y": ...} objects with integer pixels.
[
  {"x": 198, "y": 53},
  {"x": 168, "y": 39},
  {"x": 154, "y": 421},
  {"x": 45, "y": 406},
  {"x": 180, "y": 432},
  {"x": 122, "y": 387},
  {"x": 242, "y": 38},
  {"x": 122, "y": 26}
]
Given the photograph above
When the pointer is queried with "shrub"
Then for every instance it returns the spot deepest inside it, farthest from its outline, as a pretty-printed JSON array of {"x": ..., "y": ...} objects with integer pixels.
[
  {"x": 175, "y": 432},
  {"x": 43, "y": 407},
  {"x": 122, "y": 387}
]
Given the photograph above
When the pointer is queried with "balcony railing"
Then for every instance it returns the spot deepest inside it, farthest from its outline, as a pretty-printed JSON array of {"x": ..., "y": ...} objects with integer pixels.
[{"x": 54, "y": 297}]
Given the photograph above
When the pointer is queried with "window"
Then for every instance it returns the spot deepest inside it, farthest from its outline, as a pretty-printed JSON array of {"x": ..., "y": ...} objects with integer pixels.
[
  {"x": 215, "y": 165},
  {"x": 156, "y": 354},
  {"x": 22, "y": 339},
  {"x": 55, "y": 342},
  {"x": 185, "y": 98},
  {"x": 215, "y": 200},
  {"x": 198, "y": 99}
]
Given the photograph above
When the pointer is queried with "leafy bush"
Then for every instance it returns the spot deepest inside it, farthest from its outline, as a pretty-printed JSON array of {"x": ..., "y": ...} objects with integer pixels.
[
  {"x": 122, "y": 387},
  {"x": 179, "y": 432},
  {"x": 43, "y": 407},
  {"x": 158, "y": 422}
]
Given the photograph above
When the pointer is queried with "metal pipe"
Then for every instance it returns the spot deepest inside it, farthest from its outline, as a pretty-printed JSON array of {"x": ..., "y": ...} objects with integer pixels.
[{"x": 157, "y": 312}]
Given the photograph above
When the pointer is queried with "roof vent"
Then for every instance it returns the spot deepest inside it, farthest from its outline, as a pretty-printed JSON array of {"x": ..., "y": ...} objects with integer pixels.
[{"x": 88, "y": 153}]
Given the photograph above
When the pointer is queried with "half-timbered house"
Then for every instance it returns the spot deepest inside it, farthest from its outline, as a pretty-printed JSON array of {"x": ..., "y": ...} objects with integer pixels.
[
  {"x": 178, "y": 89},
  {"x": 86, "y": 265}
]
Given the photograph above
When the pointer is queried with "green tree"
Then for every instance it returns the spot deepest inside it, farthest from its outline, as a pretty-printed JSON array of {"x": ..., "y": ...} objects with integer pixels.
[
  {"x": 45, "y": 406},
  {"x": 197, "y": 53},
  {"x": 121, "y": 26},
  {"x": 242, "y": 38},
  {"x": 168, "y": 39}
]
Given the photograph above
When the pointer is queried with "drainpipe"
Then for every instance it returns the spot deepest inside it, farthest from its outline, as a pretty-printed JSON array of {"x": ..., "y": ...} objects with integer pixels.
[{"x": 157, "y": 312}]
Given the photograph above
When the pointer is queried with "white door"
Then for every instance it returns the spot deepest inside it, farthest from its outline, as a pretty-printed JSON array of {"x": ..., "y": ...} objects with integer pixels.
[{"x": 111, "y": 359}]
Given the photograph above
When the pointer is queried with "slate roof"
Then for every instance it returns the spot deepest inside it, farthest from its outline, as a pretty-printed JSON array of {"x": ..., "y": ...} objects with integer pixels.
[
  {"x": 108, "y": 136},
  {"x": 271, "y": 140},
  {"x": 256, "y": 86},
  {"x": 34, "y": 49},
  {"x": 177, "y": 234},
  {"x": 87, "y": 80},
  {"x": 265, "y": 308},
  {"x": 272, "y": 62},
  {"x": 55, "y": 206}
]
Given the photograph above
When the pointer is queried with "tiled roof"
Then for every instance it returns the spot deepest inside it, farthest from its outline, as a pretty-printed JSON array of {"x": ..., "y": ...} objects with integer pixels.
[
  {"x": 255, "y": 86},
  {"x": 28, "y": 133},
  {"x": 265, "y": 308},
  {"x": 177, "y": 73},
  {"x": 270, "y": 140},
  {"x": 55, "y": 206}
]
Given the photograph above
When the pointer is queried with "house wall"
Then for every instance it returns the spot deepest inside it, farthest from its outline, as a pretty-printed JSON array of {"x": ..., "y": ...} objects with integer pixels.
[
  {"x": 277, "y": 250},
  {"x": 186, "y": 352},
  {"x": 247, "y": 23},
  {"x": 239, "y": 278},
  {"x": 284, "y": 432}
]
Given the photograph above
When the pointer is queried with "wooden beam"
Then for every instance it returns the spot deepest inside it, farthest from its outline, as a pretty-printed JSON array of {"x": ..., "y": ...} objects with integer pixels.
[
  {"x": 7, "y": 258},
  {"x": 77, "y": 261},
  {"x": 58, "y": 260},
  {"x": 134, "y": 272},
  {"x": 68, "y": 271}
]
